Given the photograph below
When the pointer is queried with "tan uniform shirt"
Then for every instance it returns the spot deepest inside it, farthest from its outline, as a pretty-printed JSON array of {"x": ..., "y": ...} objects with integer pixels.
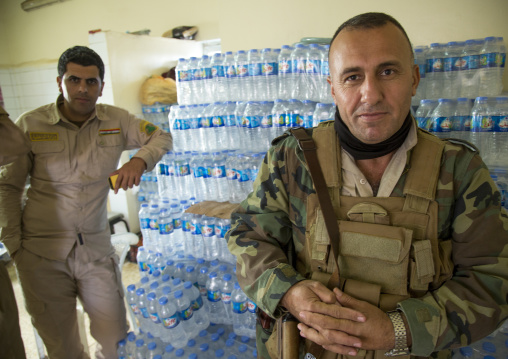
[
  {"x": 69, "y": 168},
  {"x": 13, "y": 142},
  {"x": 356, "y": 185}
]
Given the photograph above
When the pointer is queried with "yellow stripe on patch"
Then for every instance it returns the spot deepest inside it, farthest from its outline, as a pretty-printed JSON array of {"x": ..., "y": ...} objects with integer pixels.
[{"x": 43, "y": 136}]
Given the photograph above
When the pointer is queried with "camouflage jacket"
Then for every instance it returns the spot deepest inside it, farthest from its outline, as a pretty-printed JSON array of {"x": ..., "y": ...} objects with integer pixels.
[{"x": 464, "y": 309}]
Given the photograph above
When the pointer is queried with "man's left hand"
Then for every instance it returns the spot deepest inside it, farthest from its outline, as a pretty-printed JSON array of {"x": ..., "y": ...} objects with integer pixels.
[
  {"x": 327, "y": 329},
  {"x": 129, "y": 174}
]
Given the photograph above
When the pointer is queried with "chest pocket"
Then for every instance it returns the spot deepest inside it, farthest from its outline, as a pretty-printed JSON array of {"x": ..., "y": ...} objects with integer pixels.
[
  {"x": 51, "y": 161},
  {"x": 109, "y": 149}
]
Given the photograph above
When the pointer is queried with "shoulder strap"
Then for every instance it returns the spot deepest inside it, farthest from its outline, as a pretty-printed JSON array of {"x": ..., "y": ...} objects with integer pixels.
[{"x": 308, "y": 146}]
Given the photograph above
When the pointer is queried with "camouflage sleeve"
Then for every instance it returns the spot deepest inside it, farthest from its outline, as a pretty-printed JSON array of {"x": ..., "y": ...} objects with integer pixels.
[
  {"x": 261, "y": 232},
  {"x": 473, "y": 303}
]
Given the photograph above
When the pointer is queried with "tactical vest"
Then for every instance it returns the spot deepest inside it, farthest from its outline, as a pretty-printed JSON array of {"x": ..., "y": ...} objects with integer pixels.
[{"x": 389, "y": 247}]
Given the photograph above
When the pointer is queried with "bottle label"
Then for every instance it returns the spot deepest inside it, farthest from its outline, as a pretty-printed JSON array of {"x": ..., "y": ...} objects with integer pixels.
[
  {"x": 220, "y": 231},
  {"x": 177, "y": 223},
  {"x": 253, "y": 121},
  {"x": 183, "y": 170},
  {"x": 253, "y": 174},
  {"x": 280, "y": 120},
  {"x": 423, "y": 71},
  {"x": 186, "y": 226},
  {"x": 231, "y": 174},
  {"x": 230, "y": 120},
  {"x": 177, "y": 125},
  {"x": 162, "y": 169},
  {"x": 254, "y": 69},
  {"x": 325, "y": 68},
  {"x": 185, "y": 125},
  {"x": 206, "y": 73},
  {"x": 266, "y": 121},
  {"x": 203, "y": 171},
  {"x": 441, "y": 124},
  {"x": 501, "y": 59},
  {"x": 218, "y": 121},
  {"x": 242, "y": 70},
  {"x": 207, "y": 122},
  {"x": 219, "y": 172},
  {"x": 243, "y": 176},
  {"x": 217, "y": 71},
  {"x": 230, "y": 72},
  {"x": 171, "y": 171},
  {"x": 239, "y": 307},
  {"x": 155, "y": 318},
  {"x": 197, "y": 303},
  {"x": 284, "y": 67},
  {"x": 500, "y": 123},
  {"x": 196, "y": 74},
  {"x": 154, "y": 225},
  {"x": 143, "y": 266},
  {"x": 144, "y": 311},
  {"x": 299, "y": 66},
  {"x": 312, "y": 67},
  {"x": 251, "y": 306},
  {"x": 435, "y": 65},
  {"x": 225, "y": 297},
  {"x": 197, "y": 171},
  {"x": 461, "y": 123},
  {"x": 195, "y": 123},
  {"x": 202, "y": 290},
  {"x": 471, "y": 62},
  {"x": 450, "y": 64},
  {"x": 166, "y": 228},
  {"x": 269, "y": 69},
  {"x": 209, "y": 170},
  {"x": 183, "y": 76},
  {"x": 208, "y": 230},
  {"x": 135, "y": 309},
  {"x": 185, "y": 314},
  {"x": 482, "y": 124},
  {"x": 195, "y": 228},
  {"x": 488, "y": 60},
  {"x": 145, "y": 223},
  {"x": 171, "y": 322},
  {"x": 213, "y": 295},
  {"x": 293, "y": 120},
  {"x": 456, "y": 63}
]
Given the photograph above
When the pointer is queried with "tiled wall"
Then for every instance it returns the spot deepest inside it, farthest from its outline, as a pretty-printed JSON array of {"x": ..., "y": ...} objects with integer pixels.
[{"x": 26, "y": 88}]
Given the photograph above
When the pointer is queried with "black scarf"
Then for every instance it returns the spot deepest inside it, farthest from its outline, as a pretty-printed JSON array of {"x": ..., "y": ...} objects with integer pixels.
[{"x": 364, "y": 151}]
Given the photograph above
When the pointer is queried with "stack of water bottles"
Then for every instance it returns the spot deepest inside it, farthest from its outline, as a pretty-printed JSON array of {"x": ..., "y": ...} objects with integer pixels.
[
  {"x": 493, "y": 346},
  {"x": 288, "y": 73},
  {"x": 157, "y": 114},
  {"x": 484, "y": 123},
  {"x": 455, "y": 69},
  {"x": 246, "y": 125}
]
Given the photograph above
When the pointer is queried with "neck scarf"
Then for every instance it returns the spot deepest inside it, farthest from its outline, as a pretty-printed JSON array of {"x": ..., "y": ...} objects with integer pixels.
[{"x": 364, "y": 151}]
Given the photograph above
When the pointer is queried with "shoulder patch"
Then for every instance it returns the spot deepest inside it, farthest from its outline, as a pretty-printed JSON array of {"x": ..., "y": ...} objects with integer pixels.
[
  {"x": 147, "y": 127},
  {"x": 43, "y": 136}
]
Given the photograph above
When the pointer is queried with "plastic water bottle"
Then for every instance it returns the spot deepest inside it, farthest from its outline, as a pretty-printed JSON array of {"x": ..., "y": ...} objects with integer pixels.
[
  {"x": 240, "y": 123},
  {"x": 452, "y": 62},
  {"x": 424, "y": 113},
  {"x": 469, "y": 71},
  {"x": 490, "y": 79},
  {"x": 251, "y": 319},
  {"x": 194, "y": 74},
  {"x": 278, "y": 118},
  {"x": 153, "y": 351},
  {"x": 435, "y": 67},
  {"x": 210, "y": 184},
  {"x": 215, "y": 307},
  {"x": 197, "y": 175},
  {"x": 166, "y": 232},
  {"x": 182, "y": 82},
  {"x": 121, "y": 352},
  {"x": 186, "y": 229},
  {"x": 140, "y": 350},
  {"x": 209, "y": 240},
  {"x": 242, "y": 73},
  {"x": 312, "y": 73},
  {"x": 321, "y": 114},
  {"x": 481, "y": 127},
  {"x": 298, "y": 67},
  {"x": 153, "y": 311},
  {"x": 226, "y": 290},
  {"x": 461, "y": 125},
  {"x": 207, "y": 132},
  {"x": 159, "y": 263},
  {"x": 202, "y": 279},
  {"x": 501, "y": 59},
  {"x": 219, "y": 128},
  {"x": 144, "y": 221},
  {"x": 420, "y": 53},
  {"x": 499, "y": 141},
  {"x": 255, "y": 162},
  {"x": 294, "y": 113},
  {"x": 442, "y": 118},
  {"x": 266, "y": 126},
  {"x": 197, "y": 238},
  {"x": 231, "y": 130},
  {"x": 199, "y": 312},
  {"x": 132, "y": 299},
  {"x": 269, "y": 75},
  {"x": 205, "y": 64},
  {"x": 219, "y": 176},
  {"x": 221, "y": 228},
  {"x": 231, "y": 175},
  {"x": 170, "y": 320},
  {"x": 183, "y": 175},
  {"x": 254, "y": 79},
  {"x": 185, "y": 314},
  {"x": 144, "y": 319},
  {"x": 253, "y": 116},
  {"x": 308, "y": 109},
  {"x": 239, "y": 310},
  {"x": 219, "y": 87},
  {"x": 285, "y": 73},
  {"x": 154, "y": 227},
  {"x": 176, "y": 214},
  {"x": 325, "y": 93},
  {"x": 232, "y": 86},
  {"x": 243, "y": 174}
]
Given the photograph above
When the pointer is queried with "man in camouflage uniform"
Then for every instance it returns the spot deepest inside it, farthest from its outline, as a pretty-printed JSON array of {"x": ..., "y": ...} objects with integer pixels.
[{"x": 450, "y": 287}]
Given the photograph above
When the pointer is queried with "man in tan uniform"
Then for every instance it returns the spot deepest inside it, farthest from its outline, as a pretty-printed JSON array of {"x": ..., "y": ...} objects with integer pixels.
[
  {"x": 60, "y": 241},
  {"x": 13, "y": 144}
]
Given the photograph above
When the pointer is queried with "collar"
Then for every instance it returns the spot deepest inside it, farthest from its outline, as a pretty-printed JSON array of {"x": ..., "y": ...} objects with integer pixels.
[{"x": 58, "y": 116}]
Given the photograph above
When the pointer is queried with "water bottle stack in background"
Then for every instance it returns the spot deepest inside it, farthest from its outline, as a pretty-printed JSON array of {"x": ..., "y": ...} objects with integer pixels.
[
  {"x": 493, "y": 346},
  {"x": 157, "y": 114},
  {"x": 483, "y": 123},
  {"x": 455, "y": 69}
]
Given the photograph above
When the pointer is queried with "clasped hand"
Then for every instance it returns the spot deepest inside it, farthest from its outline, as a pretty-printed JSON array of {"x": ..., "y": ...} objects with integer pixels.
[
  {"x": 129, "y": 174},
  {"x": 337, "y": 321}
]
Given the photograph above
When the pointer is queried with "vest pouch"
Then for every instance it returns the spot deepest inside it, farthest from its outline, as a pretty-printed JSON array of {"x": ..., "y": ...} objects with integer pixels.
[{"x": 376, "y": 254}]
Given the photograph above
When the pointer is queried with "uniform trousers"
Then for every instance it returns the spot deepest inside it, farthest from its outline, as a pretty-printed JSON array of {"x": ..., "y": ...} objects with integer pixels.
[{"x": 51, "y": 287}]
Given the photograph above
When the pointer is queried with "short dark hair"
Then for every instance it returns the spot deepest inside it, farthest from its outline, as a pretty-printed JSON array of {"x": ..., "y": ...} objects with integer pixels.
[
  {"x": 371, "y": 20},
  {"x": 80, "y": 55}
]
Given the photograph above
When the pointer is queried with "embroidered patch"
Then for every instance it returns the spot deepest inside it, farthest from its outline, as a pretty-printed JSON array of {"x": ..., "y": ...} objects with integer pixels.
[
  {"x": 147, "y": 127},
  {"x": 43, "y": 136},
  {"x": 112, "y": 131}
]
